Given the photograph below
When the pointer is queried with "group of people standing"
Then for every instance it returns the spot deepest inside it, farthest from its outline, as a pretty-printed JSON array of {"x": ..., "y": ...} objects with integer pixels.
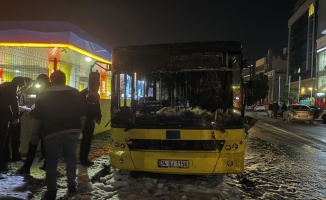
[
  {"x": 273, "y": 109},
  {"x": 59, "y": 115}
]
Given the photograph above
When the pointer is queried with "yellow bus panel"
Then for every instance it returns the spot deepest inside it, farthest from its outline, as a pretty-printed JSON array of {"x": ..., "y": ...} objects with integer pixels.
[{"x": 178, "y": 151}]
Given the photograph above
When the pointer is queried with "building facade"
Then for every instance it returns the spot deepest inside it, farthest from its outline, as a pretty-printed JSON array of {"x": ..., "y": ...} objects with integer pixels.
[
  {"x": 321, "y": 57},
  {"x": 301, "y": 66},
  {"x": 274, "y": 67}
]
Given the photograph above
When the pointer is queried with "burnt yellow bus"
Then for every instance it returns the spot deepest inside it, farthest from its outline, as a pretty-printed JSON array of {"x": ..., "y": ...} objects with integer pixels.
[{"x": 172, "y": 108}]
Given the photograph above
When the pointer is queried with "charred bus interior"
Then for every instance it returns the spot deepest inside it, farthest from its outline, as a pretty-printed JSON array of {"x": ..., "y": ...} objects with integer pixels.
[{"x": 182, "y": 84}]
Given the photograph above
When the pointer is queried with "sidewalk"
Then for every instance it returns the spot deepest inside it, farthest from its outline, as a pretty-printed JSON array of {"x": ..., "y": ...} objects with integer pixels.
[{"x": 31, "y": 186}]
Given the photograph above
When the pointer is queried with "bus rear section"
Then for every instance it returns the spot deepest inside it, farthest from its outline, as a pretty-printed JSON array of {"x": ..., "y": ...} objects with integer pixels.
[{"x": 172, "y": 108}]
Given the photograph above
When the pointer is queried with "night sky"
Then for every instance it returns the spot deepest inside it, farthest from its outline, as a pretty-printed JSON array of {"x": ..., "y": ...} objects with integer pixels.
[{"x": 258, "y": 24}]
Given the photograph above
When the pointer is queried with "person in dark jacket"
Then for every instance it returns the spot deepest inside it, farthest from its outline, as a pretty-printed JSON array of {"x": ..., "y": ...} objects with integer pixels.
[
  {"x": 9, "y": 111},
  {"x": 60, "y": 114},
  {"x": 276, "y": 107},
  {"x": 43, "y": 82},
  {"x": 93, "y": 115},
  {"x": 270, "y": 110},
  {"x": 11, "y": 152},
  {"x": 283, "y": 108}
]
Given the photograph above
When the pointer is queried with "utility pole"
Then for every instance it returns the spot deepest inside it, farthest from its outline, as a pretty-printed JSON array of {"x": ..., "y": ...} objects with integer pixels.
[
  {"x": 299, "y": 88},
  {"x": 289, "y": 90},
  {"x": 279, "y": 89}
]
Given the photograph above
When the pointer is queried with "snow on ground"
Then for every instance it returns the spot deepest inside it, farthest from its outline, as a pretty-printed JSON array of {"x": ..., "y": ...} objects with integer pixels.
[{"x": 270, "y": 173}]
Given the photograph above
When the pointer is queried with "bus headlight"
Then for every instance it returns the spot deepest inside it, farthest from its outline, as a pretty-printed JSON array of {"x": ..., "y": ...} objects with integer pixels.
[
  {"x": 234, "y": 146},
  {"x": 229, "y": 163},
  {"x": 116, "y": 144},
  {"x": 228, "y": 147},
  {"x": 122, "y": 146}
]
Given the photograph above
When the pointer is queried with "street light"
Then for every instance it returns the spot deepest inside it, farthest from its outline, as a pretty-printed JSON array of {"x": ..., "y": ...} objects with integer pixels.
[{"x": 310, "y": 95}]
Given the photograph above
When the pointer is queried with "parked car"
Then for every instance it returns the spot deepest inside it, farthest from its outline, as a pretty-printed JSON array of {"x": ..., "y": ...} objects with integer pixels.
[
  {"x": 259, "y": 107},
  {"x": 298, "y": 112},
  {"x": 319, "y": 113}
]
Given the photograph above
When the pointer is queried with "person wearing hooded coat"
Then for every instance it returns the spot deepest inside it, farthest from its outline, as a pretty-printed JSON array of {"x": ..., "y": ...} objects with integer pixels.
[
  {"x": 9, "y": 111},
  {"x": 11, "y": 152}
]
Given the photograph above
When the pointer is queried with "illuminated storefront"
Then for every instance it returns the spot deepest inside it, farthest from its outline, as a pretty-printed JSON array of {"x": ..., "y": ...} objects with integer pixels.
[
  {"x": 31, "y": 48},
  {"x": 32, "y": 61}
]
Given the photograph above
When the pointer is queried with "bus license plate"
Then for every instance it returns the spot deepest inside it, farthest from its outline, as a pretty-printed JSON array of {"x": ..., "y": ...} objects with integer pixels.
[{"x": 173, "y": 163}]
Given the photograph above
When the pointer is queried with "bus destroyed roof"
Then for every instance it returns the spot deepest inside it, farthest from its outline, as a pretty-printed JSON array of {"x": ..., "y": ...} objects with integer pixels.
[{"x": 174, "y": 57}]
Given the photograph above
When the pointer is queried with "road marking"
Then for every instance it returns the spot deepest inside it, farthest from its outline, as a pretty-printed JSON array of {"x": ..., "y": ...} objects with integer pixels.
[{"x": 318, "y": 144}]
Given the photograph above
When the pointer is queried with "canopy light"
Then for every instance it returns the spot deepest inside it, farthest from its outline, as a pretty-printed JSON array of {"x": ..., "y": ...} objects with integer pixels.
[{"x": 53, "y": 45}]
